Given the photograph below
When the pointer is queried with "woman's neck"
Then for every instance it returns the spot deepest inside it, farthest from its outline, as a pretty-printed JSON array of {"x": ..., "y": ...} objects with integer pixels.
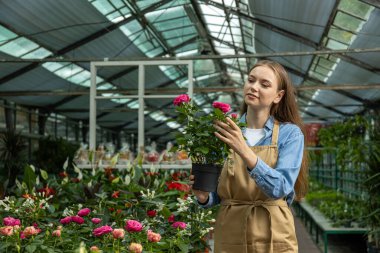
[{"x": 256, "y": 119}]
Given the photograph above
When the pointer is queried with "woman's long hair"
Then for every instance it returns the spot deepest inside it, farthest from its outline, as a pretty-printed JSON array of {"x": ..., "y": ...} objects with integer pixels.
[{"x": 287, "y": 111}]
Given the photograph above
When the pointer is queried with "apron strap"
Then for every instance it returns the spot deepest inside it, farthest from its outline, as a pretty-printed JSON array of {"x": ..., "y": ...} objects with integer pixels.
[
  {"x": 275, "y": 132},
  {"x": 250, "y": 205}
]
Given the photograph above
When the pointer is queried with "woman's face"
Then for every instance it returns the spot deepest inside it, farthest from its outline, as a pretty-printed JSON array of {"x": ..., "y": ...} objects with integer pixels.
[{"x": 261, "y": 88}]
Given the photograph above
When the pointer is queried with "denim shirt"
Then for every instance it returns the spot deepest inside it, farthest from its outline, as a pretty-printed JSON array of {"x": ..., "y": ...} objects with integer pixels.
[{"x": 276, "y": 182}]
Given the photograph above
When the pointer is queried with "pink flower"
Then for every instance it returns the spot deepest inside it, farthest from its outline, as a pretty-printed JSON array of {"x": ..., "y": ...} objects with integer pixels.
[
  {"x": 28, "y": 231},
  {"x": 96, "y": 220},
  {"x": 118, "y": 233},
  {"x": 183, "y": 98},
  {"x": 84, "y": 212},
  {"x": 135, "y": 247},
  {"x": 151, "y": 213},
  {"x": 7, "y": 231},
  {"x": 94, "y": 249},
  {"x": 56, "y": 233},
  {"x": 65, "y": 220},
  {"x": 102, "y": 230},
  {"x": 10, "y": 221},
  {"x": 222, "y": 106},
  {"x": 133, "y": 226},
  {"x": 153, "y": 237},
  {"x": 77, "y": 219},
  {"x": 179, "y": 224},
  {"x": 171, "y": 218},
  {"x": 234, "y": 115}
]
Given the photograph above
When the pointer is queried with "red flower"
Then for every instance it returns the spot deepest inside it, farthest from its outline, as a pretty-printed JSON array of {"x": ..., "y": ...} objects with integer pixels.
[
  {"x": 171, "y": 218},
  {"x": 115, "y": 194},
  {"x": 77, "y": 219},
  {"x": 151, "y": 213},
  {"x": 177, "y": 186},
  {"x": 75, "y": 180},
  {"x": 47, "y": 191},
  {"x": 63, "y": 174},
  {"x": 183, "y": 98},
  {"x": 222, "y": 106},
  {"x": 234, "y": 115},
  {"x": 84, "y": 212}
]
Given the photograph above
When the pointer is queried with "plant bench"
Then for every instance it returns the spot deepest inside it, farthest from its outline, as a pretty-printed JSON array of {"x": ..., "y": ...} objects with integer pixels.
[{"x": 315, "y": 220}]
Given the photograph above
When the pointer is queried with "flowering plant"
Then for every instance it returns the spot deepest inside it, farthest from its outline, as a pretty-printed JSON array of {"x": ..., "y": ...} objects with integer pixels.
[{"x": 198, "y": 138}]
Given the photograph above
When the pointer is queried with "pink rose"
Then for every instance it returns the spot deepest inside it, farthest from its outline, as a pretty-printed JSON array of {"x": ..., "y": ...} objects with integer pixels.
[
  {"x": 179, "y": 224},
  {"x": 234, "y": 115},
  {"x": 183, "y": 98},
  {"x": 135, "y": 247},
  {"x": 84, "y": 212},
  {"x": 77, "y": 219},
  {"x": 133, "y": 226},
  {"x": 10, "y": 221},
  {"x": 151, "y": 213},
  {"x": 56, "y": 233},
  {"x": 65, "y": 220},
  {"x": 102, "y": 230},
  {"x": 222, "y": 106},
  {"x": 96, "y": 220},
  {"x": 153, "y": 237},
  {"x": 171, "y": 218},
  {"x": 7, "y": 231},
  {"x": 118, "y": 233}
]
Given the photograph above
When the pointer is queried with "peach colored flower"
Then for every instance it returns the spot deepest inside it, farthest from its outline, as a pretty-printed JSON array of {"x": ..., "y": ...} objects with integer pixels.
[
  {"x": 183, "y": 98},
  {"x": 84, "y": 212},
  {"x": 29, "y": 231},
  {"x": 56, "y": 233},
  {"x": 102, "y": 230},
  {"x": 118, "y": 233},
  {"x": 135, "y": 247},
  {"x": 133, "y": 226},
  {"x": 153, "y": 237},
  {"x": 94, "y": 249},
  {"x": 7, "y": 231}
]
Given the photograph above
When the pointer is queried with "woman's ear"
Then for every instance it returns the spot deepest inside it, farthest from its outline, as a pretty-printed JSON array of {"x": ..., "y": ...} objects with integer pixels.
[{"x": 279, "y": 96}]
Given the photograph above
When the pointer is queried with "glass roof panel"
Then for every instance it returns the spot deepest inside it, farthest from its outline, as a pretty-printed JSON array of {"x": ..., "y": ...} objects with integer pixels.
[
  {"x": 103, "y": 6},
  {"x": 179, "y": 32},
  {"x": 80, "y": 77},
  {"x": 143, "y": 4},
  {"x": 171, "y": 24},
  {"x": 154, "y": 52},
  {"x": 348, "y": 22},
  {"x": 67, "y": 71},
  {"x": 165, "y": 14},
  {"x": 336, "y": 45},
  {"x": 39, "y": 53},
  {"x": 6, "y": 35},
  {"x": 341, "y": 35},
  {"x": 18, "y": 47},
  {"x": 356, "y": 8},
  {"x": 131, "y": 28},
  {"x": 179, "y": 40},
  {"x": 53, "y": 66}
]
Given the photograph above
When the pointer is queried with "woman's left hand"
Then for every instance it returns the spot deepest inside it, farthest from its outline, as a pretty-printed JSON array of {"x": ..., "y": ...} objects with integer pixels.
[{"x": 231, "y": 134}]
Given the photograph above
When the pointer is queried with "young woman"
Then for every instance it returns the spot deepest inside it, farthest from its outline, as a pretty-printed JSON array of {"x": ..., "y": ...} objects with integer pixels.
[{"x": 266, "y": 170}]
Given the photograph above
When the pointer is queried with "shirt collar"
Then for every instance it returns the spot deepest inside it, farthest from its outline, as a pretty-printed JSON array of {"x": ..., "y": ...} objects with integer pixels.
[{"x": 268, "y": 125}]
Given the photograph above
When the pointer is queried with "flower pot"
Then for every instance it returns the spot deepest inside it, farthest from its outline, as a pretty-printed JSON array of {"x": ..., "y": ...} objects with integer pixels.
[{"x": 206, "y": 176}]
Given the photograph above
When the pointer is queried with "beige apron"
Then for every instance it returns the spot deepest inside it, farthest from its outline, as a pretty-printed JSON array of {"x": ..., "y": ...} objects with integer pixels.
[{"x": 248, "y": 220}]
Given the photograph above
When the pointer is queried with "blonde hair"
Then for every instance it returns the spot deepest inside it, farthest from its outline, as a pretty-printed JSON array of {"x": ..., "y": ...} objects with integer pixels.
[{"x": 287, "y": 111}]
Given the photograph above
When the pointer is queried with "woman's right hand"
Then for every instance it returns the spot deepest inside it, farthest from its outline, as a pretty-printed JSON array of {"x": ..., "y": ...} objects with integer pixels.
[{"x": 202, "y": 196}]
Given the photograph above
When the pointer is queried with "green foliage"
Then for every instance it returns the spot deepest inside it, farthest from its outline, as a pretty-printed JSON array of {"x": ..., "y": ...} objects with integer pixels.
[
  {"x": 198, "y": 138},
  {"x": 52, "y": 153}
]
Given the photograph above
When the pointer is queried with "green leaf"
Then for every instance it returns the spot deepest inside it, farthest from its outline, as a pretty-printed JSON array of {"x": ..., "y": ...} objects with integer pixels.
[
  {"x": 116, "y": 180},
  {"x": 44, "y": 174},
  {"x": 114, "y": 160},
  {"x": 31, "y": 248},
  {"x": 203, "y": 150},
  {"x": 165, "y": 212},
  {"x": 183, "y": 247},
  {"x": 29, "y": 177}
]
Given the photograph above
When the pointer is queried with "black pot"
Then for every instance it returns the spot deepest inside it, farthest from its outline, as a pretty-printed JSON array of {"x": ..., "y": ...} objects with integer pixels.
[{"x": 206, "y": 176}]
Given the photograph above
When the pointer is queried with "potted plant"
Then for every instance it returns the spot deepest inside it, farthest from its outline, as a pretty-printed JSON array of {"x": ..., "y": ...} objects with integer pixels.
[{"x": 206, "y": 151}]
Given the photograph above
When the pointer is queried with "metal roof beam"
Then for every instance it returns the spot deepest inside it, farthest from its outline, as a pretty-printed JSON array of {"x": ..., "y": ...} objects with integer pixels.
[
  {"x": 80, "y": 42},
  {"x": 325, "y": 106}
]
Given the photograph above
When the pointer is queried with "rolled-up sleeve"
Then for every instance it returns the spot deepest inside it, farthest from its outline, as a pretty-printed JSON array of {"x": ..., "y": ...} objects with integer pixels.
[
  {"x": 278, "y": 182},
  {"x": 213, "y": 199}
]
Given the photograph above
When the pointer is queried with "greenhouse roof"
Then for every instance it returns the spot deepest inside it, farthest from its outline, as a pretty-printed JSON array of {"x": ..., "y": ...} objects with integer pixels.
[{"x": 330, "y": 48}]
